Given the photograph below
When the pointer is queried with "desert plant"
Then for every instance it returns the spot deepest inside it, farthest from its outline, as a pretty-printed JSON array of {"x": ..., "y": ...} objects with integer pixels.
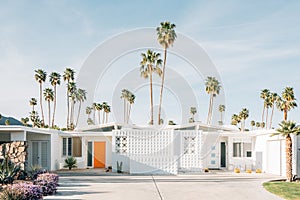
[
  {"x": 237, "y": 170},
  {"x": 36, "y": 170},
  {"x": 70, "y": 162},
  {"x": 22, "y": 191},
  {"x": 48, "y": 183},
  {"x": 119, "y": 167},
  {"x": 8, "y": 171}
]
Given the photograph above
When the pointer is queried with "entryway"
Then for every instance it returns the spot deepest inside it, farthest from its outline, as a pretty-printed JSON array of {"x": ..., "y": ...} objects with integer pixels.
[
  {"x": 223, "y": 154},
  {"x": 39, "y": 152},
  {"x": 99, "y": 154}
]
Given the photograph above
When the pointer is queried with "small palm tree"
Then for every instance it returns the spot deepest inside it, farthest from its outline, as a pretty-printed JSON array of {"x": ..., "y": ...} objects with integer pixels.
[
  {"x": 7, "y": 122},
  {"x": 33, "y": 102},
  {"x": 70, "y": 162},
  {"x": 68, "y": 77},
  {"x": 286, "y": 128},
  {"x": 107, "y": 111},
  {"x": 104, "y": 107},
  {"x": 125, "y": 97},
  {"x": 264, "y": 94},
  {"x": 257, "y": 125},
  {"x": 262, "y": 125},
  {"x": 252, "y": 123},
  {"x": 287, "y": 102},
  {"x": 49, "y": 96},
  {"x": 221, "y": 110},
  {"x": 235, "y": 119},
  {"x": 25, "y": 121},
  {"x": 131, "y": 100},
  {"x": 244, "y": 114},
  {"x": 35, "y": 119},
  {"x": 166, "y": 36},
  {"x": 54, "y": 80},
  {"x": 72, "y": 90},
  {"x": 193, "y": 111},
  {"x": 273, "y": 100},
  {"x": 151, "y": 63},
  {"x": 40, "y": 77},
  {"x": 94, "y": 107},
  {"x": 213, "y": 88},
  {"x": 98, "y": 107}
]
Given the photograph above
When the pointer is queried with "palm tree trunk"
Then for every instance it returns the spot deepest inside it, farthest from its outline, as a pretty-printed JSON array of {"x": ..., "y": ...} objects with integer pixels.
[
  {"x": 54, "y": 106},
  {"x": 79, "y": 108},
  {"x": 41, "y": 103},
  {"x": 99, "y": 118},
  {"x": 288, "y": 143},
  {"x": 107, "y": 117},
  {"x": 103, "y": 117},
  {"x": 162, "y": 85},
  {"x": 221, "y": 117},
  {"x": 49, "y": 113},
  {"x": 210, "y": 109},
  {"x": 267, "y": 115},
  {"x": 263, "y": 114},
  {"x": 285, "y": 113},
  {"x": 129, "y": 110},
  {"x": 68, "y": 107},
  {"x": 125, "y": 111},
  {"x": 151, "y": 100},
  {"x": 271, "y": 118}
]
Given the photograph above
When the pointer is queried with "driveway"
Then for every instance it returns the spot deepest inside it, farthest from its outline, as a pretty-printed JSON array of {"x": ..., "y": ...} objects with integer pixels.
[{"x": 210, "y": 186}]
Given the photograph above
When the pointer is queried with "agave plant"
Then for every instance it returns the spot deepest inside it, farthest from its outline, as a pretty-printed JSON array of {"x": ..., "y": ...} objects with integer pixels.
[
  {"x": 70, "y": 162},
  {"x": 8, "y": 171}
]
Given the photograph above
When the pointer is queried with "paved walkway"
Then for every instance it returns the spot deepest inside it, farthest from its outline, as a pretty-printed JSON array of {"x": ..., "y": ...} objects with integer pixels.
[{"x": 224, "y": 185}]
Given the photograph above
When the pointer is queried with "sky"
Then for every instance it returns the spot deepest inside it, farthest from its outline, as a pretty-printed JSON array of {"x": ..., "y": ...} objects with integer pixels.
[{"x": 253, "y": 45}]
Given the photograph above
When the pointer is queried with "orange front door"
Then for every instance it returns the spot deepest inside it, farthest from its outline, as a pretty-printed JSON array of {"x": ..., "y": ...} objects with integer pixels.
[{"x": 99, "y": 154}]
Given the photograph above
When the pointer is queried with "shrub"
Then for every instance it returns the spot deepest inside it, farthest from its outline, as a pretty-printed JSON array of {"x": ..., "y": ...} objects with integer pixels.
[
  {"x": 258, "y": 171},
  {"x": 48, "y": 182},
  {"x": 36, "y": 170},
  {"x": 70, "y": 162},
  {"x": 8, "y": 171},
  {"x": 237, "y": 170},
  {"x": 22, "y": 191},
  {"x": 249, "y": 171}
]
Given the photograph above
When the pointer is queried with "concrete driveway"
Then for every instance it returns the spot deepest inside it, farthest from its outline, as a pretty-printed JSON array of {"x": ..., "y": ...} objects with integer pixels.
[{"x": 210, "y": 186}]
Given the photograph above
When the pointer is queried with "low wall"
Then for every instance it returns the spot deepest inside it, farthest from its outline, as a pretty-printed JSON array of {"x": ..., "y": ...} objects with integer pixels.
[{"x": 16, "y": 151}]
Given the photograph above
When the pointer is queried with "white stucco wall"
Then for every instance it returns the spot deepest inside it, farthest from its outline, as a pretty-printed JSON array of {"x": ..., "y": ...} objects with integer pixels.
[
  {"x": 55, "y": 151},
  {"x": 18, "y": 136}
]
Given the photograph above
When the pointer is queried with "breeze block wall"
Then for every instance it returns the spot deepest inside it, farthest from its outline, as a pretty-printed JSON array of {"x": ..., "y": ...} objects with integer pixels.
[{"x": 16, "y": 151}]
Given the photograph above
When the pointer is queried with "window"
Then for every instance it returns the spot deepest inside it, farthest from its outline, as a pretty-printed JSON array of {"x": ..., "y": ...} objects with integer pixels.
[
  {"x": 241, "y": 149},
  {"x": 72, "y": 147},
  {"x": 237, "y": 149}
]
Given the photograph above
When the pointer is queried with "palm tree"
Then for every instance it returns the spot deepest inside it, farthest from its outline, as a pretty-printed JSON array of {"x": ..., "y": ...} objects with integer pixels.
[
  {"x": 213, "y": 89},
  {"x": 49, "y": 96},
  {"x": 244, "y": 114},
  {"x": 286, "y": 128},
  {"x": 221, "y": 110},
  {"x": 94, "y": 107},
  {"x": 72, "y": 90},
  {"x": 68, "y": 77},
  {"x": 98, "y": 107},
  {"x": 252, "y": 123},
  {"x": 273, "y": 100},
  {"x": 54, "y": 79},
  {"x": 287, "y": 101},
  {"x": 257, "y": 125},
  {"x": 193, "y": 111},
  {"x": 81, "y": 97},
  {"x": 131, "y": 100},
  {"x": 150, "y": 64},
  {"x": 7, "y": 122},
  {"x": 40, "y": 77},
  {"x": 166, "y": 36},
  {"x": 264, "y": 94},
  {"x": 25, "y": 121},
  {"x": 34, "y": 117},
  {"x": 235, "y": 119},
  {"x": 262, "y": 125},
  {"x": 88, "y": 111},
  {"x": 107, "y": 111},
  {"x": 104, "y": 107},
  {"x": 33, "y": 102},
  {"x": 125, "y": 97}
]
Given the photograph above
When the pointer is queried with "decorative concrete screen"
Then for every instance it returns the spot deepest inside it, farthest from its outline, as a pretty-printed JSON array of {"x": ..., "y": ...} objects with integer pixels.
[{"x": 156, "y": 152}]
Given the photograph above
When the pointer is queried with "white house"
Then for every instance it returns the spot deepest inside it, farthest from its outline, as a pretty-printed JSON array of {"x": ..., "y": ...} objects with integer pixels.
[{"x": 144, "y": 150}]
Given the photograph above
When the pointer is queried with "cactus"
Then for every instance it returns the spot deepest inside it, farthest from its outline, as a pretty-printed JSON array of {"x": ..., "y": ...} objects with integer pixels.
[{"x": 119, "y": 167}]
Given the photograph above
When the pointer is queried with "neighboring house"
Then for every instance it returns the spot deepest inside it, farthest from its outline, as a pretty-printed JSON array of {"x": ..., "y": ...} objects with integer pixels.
[{"x": 142, "y": 150}]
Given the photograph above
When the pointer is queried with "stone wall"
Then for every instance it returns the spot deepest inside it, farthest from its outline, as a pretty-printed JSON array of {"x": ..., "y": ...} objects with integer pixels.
[{"x": 16, "y": 151}]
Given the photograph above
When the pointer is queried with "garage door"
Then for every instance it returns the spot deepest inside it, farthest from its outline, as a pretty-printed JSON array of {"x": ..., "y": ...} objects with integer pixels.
[{"x": 276, "y": 157}]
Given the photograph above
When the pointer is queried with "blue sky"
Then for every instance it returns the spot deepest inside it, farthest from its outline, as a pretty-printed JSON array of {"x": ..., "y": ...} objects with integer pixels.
[{"x": 254, "y": 45}]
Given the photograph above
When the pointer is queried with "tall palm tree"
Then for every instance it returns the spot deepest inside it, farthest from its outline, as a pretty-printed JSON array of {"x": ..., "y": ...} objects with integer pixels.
[
  {"x": 287, "y": 101},
  {"x": 68, "y": 76},
  {"x": 150, "y": 64},
  {"x": 235, "y": 119},
  {"x": 213, "y": 88},
  {"x": 98, "y": 107},
  {"x": 267, "y": 105},
  {"x": 72, "y": 90},
  {"x": 166, "y": 36},
  {"x": 49, "y": 96},
  {"x": 88, "y": 111},
  {"x": 264, "y": 94},
  {"x": 273, "y": 100},
  {"x": 54, "y": 80},
  {"x": 40, "y": 77},
  {"x": 94, "y": 107},
  {"x": 104, "y": 107},
  {"x": 125, "y": 97},
  {"x": 81, "y": 97},
  {"x": 193, "y": 111},
  {"x": 33, "y": 102},
  {"x": 252, "y": 123},
  {"x": 107, "y": 111},
  {"x": 244, "y": 114},
  {"x": 221, "y": 110},
  {"x": 286, "y": 128},
  {"x": 131, "y": 100}
]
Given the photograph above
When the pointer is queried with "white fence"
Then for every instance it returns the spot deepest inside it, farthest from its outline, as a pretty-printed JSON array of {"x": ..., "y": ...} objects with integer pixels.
[{"x": 157, "y": 152}]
